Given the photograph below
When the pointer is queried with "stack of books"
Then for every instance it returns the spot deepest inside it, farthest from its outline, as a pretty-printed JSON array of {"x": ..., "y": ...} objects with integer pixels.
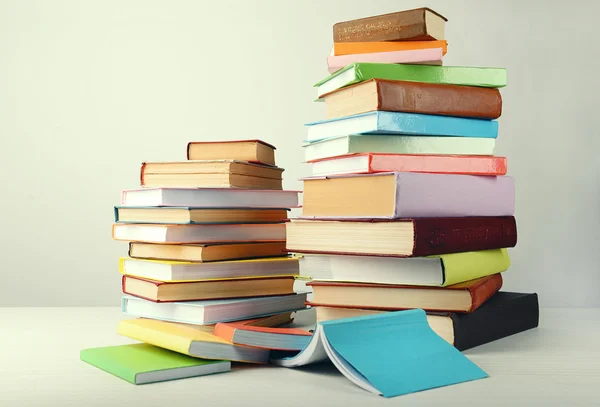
[
  {"x": 206, "y": 245},
  {"x": 407, "y": 206}
]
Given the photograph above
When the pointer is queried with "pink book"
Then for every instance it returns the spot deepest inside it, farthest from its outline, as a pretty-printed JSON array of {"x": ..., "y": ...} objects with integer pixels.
[{"x": 430, "y": 56}]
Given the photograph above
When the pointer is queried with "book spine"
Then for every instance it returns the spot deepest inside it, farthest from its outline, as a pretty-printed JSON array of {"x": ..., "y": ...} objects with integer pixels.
[
  {"x": 406, "y": 25},
  {"x": 456, "y": 235},
  {"x": 481, "y": 292},
  {"x": 444, "y": 100},
  {"x": 224, "y": 331},
  {"x": 187, "y": 154},
  {"x": 142, "y": 170},
  {"x": 492, "y": 323}
]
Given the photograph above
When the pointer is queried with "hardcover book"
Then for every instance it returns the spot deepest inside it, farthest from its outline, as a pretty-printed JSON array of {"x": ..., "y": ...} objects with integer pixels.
[
  {"x": 503, "y": 315},
  {"x": 189, "y": 340},
  {"x": 438, "y": 164},
  {"x": 149, "y": 233},
  {"x": 408, "y": 25},
  {"x": 256, "y": 151},
  {"x": 399, "y": 123},
  {"x": 447, "y": 75},
  {"x": 160, "y": 291},
  {"x": 209, "y": 312},
  {"x": 407, "y": 195},
  {"x": 414, "y": 97},
  {"x": 401, "y": 237},
  {"x": 348, "y": 48},
  {"x": 168, "y": 270},
  {"x": 431, "y": 56},
  {"x": 187, "y": 215},
  {"x": 414, "y": 145},
  {"x": 440, "y": 270},
  {"x": 141, "y": 363},
  {"x": 202, "y": 253},
  {"x": 463, "y": 297},
  {"x": 290, "y": 339}
]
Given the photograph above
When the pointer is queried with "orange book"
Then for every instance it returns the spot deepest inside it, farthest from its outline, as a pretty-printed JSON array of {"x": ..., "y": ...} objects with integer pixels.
[
  {"x": 370, "y": 163},
  {"x": 347, "y": 48},
  {"x": 240, "y": 333}
]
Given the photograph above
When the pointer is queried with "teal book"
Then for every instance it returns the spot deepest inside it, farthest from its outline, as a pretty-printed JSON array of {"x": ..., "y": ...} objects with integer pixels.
[
  {"x": 388, "y": 354},
  {"x": 141, "y": 363},
  {"x": 445, "y": 75},
  {"x": 400, "y": 123}
]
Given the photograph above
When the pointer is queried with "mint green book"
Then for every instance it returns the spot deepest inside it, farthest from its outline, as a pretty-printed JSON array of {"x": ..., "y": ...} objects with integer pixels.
[
  {"x": 447, "y": 75},
  {"x": 141, "y": 363}
]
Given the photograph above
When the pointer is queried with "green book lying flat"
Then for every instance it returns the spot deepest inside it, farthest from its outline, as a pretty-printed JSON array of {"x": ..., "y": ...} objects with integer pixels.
[
  {"x": 446, "y": 75},
  {"x": 141, "y": 363}
]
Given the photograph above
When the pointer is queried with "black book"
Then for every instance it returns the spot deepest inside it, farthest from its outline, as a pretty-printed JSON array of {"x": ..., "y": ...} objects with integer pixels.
[{"x": 502, "y": 315}]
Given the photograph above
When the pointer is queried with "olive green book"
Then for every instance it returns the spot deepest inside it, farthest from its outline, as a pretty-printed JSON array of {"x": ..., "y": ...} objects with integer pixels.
[
  {"x": 446, "y": 75},
  {"x": 141, "y": 363}
]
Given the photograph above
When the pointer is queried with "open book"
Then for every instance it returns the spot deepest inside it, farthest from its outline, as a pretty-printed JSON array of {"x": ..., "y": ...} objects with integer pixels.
[{"x": 389, "y": 354}]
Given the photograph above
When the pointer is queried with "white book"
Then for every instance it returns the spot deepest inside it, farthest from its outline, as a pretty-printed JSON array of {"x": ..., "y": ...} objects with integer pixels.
[
  {"x": 212, "y": 311},
  {"x": 210, "y": 198},
  {"x": 161, "y": 270},
  {"x": 199, "y": 233},
  {"x": 355, "y": 144}
]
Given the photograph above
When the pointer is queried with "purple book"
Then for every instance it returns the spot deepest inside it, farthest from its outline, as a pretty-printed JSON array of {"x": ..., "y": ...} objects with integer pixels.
[{"x": 408, "y": 195}]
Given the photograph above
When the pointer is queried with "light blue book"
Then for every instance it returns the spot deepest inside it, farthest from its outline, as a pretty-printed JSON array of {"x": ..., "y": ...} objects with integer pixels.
[
  {"x": 398, "y": 123},
  {"x": 388, "y": 354}
]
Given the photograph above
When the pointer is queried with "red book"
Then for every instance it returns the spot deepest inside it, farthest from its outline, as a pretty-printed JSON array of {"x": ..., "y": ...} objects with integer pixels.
[
  {"x": 263, "y": 337},
  {"x": 369, "y": 163},
  {"x": 401, "y": 237},
  {"x": 464, "y": 297}
]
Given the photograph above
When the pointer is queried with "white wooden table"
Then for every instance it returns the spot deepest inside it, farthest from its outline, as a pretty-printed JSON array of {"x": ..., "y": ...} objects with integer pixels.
[{"x": 557, "y": 364}]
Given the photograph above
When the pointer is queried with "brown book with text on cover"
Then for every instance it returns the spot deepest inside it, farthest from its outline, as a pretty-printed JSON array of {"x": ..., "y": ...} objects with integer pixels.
[
  {"x": 420, "y": 24},
  {"x": 464, "y": 297},
  {"x": 414, "y": 97}
]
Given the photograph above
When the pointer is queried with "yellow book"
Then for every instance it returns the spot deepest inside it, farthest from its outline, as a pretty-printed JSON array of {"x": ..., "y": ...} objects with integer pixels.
[
  {"x": 172, "y": 271},
  {"x": 190, "y": 340}
]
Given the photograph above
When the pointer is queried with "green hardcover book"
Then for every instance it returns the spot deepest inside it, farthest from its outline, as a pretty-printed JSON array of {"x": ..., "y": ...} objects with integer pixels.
[
  {"x": 141, "y": 363},
  {"x": 446, "y": 75}
]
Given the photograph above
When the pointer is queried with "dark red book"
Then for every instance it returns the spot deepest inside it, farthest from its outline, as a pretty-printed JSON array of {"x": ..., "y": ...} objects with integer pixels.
[
  {"x": 400, "y": 237},
  {"x": 463, "y": 297}
]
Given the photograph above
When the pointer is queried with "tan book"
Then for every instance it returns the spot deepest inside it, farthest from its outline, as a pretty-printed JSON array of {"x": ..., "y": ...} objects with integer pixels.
[
  {"x": 206, "y": 253},
  {"x": 159, "y": 291},
  {"x": 184, "y": 215},
  {"x": 211, "y": 174},
  {"x": 244, "y": 150}
]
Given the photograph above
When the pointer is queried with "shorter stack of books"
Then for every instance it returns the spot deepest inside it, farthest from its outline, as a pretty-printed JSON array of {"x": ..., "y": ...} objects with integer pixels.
[{"x": 206, "y": 245}]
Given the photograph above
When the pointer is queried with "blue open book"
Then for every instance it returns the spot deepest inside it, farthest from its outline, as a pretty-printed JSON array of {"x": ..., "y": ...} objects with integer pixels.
[{"x": 389, "y": 354}]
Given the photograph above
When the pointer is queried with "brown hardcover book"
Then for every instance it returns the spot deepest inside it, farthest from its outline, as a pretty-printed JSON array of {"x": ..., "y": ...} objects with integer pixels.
[
  {"x": 420, "y": 24},
  {"x": 245, "y": 150},
  {"x": 401, "y": 237},
  {"x": 414, "y": 97},
  {"x": 159, "y": 291},
  {"x": 206, "y": 252},
  {"x": 463, "y": 297},
  {"x": 211, "y": 174}
]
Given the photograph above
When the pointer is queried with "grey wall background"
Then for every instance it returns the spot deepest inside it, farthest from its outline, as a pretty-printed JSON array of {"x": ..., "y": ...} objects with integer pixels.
[{"x": 90, "y": 89}]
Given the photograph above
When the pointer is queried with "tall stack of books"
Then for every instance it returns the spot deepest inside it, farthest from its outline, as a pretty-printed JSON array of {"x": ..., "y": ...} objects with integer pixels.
[
  {"x": 407, "y": 206},
  {"x": 206, "y": 245}
]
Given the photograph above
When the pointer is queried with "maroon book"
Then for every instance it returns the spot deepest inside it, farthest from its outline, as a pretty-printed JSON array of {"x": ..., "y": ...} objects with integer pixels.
[{"x": 400, "y": 237}]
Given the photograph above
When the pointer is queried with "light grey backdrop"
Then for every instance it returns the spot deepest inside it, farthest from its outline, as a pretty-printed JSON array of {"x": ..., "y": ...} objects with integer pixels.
[{"x": 90, "y": 89}]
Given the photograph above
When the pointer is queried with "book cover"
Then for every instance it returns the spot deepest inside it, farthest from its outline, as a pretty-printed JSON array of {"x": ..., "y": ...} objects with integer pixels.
[
  {"x": 142, "y": 363},
  {"x": 264, "y": 337},
  {"x": 400, "y": 123}
]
